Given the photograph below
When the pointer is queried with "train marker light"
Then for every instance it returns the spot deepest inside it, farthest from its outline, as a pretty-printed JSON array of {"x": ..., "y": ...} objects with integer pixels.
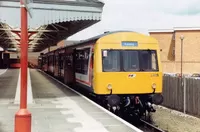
[
  {"x": 109, "y": 86},
  {"x": 154, "y": 86}
]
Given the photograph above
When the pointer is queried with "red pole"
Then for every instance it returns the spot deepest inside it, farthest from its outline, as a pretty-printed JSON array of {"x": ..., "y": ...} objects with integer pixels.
[{"x": 23, "y": 116}]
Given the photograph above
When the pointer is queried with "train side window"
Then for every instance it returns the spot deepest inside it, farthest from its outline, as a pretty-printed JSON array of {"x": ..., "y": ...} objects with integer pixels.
[
  {"x": 82, "y": 61},
  {"x": 69, "y": 60}
]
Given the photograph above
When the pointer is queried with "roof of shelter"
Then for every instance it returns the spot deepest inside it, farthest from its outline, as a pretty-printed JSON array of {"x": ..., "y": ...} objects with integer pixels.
[
  {"x": 175, "y": 29},
  {"x": 52, "y": 20}
]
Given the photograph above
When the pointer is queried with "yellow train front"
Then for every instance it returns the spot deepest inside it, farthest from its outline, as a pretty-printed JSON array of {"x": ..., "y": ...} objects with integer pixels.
[{"x": 127, "y": 72}]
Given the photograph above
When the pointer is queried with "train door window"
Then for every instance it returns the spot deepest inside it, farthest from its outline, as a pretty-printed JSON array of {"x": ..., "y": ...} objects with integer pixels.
[
  {"x": 44, "y": 60},
  {"x": 86, "y": 60},
  {"x": 92, "y": 60},
  {"x": 54, "y": 60},
  {"x": 78, "y": 61},
  {"x": 82, "y": 62},
  {"x": 57, "y": 60},
  {"x": 61, "y": 60},
  {"x": 48, "y": 58},
  {"x": 51, "y": 59},
  {"x": 69, "y": 59}
]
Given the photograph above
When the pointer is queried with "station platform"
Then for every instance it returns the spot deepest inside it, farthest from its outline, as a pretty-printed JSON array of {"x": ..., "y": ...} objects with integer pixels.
[{"x": 55, "y": 107}]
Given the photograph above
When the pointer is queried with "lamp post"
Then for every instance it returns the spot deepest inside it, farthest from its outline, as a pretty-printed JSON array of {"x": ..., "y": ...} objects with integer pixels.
[
  {"x": 183, "y": 85},
  {"x": 181, "y": 37},
  {"x": 23, "y": 116}
]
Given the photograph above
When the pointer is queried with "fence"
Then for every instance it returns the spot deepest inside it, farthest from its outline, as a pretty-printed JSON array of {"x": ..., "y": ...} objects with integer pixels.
[{"x": 175, "y": 97}]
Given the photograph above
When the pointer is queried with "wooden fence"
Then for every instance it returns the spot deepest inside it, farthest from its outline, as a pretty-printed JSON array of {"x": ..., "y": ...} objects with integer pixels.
[{"x": 175, "y": 97}]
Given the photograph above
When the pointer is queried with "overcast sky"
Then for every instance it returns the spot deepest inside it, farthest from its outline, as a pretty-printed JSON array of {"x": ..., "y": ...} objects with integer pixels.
[{"x": 142, "y": 15}]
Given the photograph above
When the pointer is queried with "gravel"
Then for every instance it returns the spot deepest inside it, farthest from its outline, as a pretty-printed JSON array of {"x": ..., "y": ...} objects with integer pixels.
[{"x": 174, "y": 121}]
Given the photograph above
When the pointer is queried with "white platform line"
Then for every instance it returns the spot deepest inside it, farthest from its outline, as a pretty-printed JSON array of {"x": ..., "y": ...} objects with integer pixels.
[
  {"x": 100, "y": 107},
  {"x": 29, "y": 89},
  {"x": 3, "y": 72}
]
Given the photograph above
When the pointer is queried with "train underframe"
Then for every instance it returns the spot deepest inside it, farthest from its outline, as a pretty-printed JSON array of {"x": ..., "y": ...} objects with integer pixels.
[{"x": 132, "y": 106}]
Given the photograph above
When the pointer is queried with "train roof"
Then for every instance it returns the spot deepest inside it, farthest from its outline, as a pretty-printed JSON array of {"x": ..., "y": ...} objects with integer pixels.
[{"x": 97, "y": 37}]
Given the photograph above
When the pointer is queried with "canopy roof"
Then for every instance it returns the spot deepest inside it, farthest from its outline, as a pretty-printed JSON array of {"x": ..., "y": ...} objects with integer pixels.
[{"x": 52, "y": 21}]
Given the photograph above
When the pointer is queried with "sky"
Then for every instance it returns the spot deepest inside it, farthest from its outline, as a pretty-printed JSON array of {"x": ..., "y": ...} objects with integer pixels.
[{"x": 143, "y": 15}]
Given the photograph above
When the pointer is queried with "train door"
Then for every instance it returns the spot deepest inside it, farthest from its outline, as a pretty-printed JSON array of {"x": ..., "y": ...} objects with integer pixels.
[
  {"x": 48, "y": 63},
  {"x": 56, "y": 64},
  {"x": 68, "y": 68},
  {"x": 44, "y": 63},
  {"x": 61, "y": 66},
  {"x": 91, "y": 69},
  {"x": 73, "y": 66},
  {"x": 50, "y": 67},
  {"x": 39, "y": 62}
]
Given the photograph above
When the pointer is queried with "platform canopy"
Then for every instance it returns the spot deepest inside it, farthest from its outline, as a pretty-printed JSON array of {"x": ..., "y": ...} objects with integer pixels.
[{"x": 51, "y": 22}]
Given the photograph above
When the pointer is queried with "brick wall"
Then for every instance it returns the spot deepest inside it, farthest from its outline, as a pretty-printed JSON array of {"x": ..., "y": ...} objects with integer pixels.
[
  {"x": 166, "y": 44},
  {"x": 191, "y": 50}
]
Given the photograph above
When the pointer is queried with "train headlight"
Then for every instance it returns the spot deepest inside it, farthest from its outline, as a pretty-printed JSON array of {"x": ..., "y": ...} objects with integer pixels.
[
  {"x": 154, "y": 86},
  {"x": 109, "y": 86}
]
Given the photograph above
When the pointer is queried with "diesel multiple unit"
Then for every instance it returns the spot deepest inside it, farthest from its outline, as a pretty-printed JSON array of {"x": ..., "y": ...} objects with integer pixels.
[{"x": 121, "y": 69}]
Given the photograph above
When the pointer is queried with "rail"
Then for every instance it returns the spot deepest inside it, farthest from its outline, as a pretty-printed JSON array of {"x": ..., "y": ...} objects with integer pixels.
[{"x": 150, "y": 127}]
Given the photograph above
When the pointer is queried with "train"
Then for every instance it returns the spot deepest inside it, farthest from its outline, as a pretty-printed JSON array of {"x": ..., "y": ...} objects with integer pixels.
[{"x": 121, "y": 69}]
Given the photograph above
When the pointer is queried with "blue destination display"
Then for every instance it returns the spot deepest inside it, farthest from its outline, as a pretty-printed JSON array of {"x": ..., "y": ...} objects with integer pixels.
[{"x": 129, "y": 43}]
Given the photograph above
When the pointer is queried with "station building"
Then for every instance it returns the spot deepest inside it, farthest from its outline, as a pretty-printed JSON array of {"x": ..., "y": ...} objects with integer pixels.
[{"x": 170, "y": 49}]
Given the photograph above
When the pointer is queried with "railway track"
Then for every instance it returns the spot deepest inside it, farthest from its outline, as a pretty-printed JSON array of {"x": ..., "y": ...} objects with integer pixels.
[{"x": 148, "y": 127}]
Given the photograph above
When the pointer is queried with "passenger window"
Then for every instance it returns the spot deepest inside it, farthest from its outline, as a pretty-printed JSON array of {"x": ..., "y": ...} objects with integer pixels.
[
  {"x": 111, "y": 62},
  {"x": 82, "y": 60}
]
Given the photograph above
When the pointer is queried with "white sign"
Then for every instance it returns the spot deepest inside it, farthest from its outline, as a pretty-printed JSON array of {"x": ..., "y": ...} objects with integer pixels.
[
  {"x": 28, "y": 6},
  {"x": 105, "y": 53}
]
